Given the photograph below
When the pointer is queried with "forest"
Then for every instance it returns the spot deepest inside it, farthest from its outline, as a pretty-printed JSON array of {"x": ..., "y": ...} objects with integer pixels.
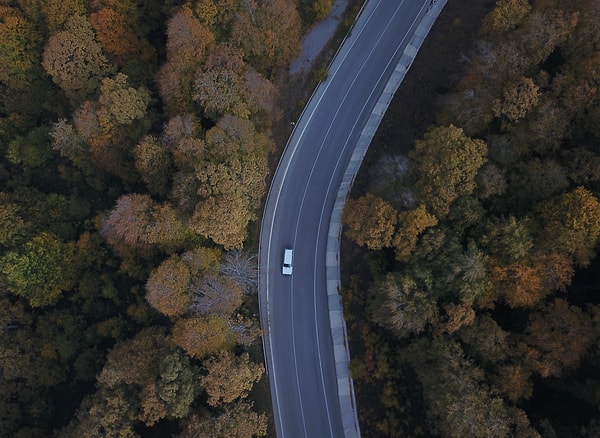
[
  {"x": 472, "y": 285},
  {"x": 135, "y": 138}
]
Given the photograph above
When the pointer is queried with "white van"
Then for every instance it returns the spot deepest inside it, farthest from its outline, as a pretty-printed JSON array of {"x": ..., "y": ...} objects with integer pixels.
[{"x": 288, "y": 255}]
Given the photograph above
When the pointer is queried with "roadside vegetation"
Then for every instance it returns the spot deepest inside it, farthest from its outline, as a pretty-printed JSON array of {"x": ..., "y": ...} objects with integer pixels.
[
  {"x": 135, "y": 141},
  {"x": 471, "y": 269}
]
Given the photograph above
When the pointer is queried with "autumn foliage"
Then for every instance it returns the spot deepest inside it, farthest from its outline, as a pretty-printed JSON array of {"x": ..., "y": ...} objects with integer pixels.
[
  {"x": 135, "y": 148},
  {"x": 478, "y": 317}
]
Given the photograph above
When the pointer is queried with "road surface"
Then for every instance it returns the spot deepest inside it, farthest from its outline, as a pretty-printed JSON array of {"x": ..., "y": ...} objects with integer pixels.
[{"x": 294, "y": 309}]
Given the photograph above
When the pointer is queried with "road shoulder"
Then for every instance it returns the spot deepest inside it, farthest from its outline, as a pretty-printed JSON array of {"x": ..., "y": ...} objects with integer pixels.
[{"x": 336, "y": 318}]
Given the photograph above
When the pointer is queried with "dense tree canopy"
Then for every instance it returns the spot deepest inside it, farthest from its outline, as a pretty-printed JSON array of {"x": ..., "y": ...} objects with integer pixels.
[
  {"x": 41, "y": 271},
  {"x": 75, "y": 60},
  {"x": 135, "y": 140},
  {"x": 481, "y": 313}
]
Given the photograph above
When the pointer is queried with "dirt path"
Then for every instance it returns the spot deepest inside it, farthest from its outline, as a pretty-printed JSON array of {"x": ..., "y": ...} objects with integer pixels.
[{"x": 315, "y": 40}]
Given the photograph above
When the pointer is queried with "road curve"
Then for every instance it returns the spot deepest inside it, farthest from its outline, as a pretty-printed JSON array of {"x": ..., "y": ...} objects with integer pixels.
[{"x": 294, "y": 309}]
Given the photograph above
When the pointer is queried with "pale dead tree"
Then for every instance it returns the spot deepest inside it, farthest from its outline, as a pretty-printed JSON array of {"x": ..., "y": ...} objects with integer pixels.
[
  {"x": 245, "y": 330},
  {"x": 242, "y": 268},
  {"x": 214, "y": 294},
  {"x": 179, "y": 127}
]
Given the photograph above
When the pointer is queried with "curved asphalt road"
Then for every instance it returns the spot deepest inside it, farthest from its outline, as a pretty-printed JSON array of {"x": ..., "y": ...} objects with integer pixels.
[{"x": 294, "y": 309}]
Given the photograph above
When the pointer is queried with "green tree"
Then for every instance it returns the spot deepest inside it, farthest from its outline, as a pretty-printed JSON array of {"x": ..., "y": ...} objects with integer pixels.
[
  {"x": 153, "y": 372},
  {"x": 40, "y": 355},
  {"x": 533, "y": 181},
  {"x": 514, "y": 381},
  {"x": 507, "y": 239},
  {"x": 471, "y": 273},
  {"x": 41, "y": 270},
  {"x": 583, "y": 166},
  {"x": 23, "y": 361},
  {"x": 177, "y": 384},
  {"x": 13, "y": 229},
  {"x": 107, "y": 412},
  {"x": 135, "y": 361},
  {"x": 466, "y": 212},
  {"x": 314, "y": 10},
  {"x": 546, "y": 127},
  {"x": 56, "y": 13},
  {"x": 446, "y": 162},
  {"x": 33, "y": 150},
  {"x": 485, "y": 340}
]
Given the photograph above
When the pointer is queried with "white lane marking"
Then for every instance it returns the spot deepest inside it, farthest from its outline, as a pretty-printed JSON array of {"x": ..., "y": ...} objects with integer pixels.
[
  {"x": 330, "y": 181},
  {"x": 280, "y": 188},
  {"x": 294, "y": 143},
  {"x": 328, "y": 191}
]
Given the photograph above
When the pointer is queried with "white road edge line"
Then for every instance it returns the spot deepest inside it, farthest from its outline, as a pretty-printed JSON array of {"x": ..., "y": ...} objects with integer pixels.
[
  {"x": 294, "y": 145},
  {"x": 349, "y": 89},
  {"x": 353, "y": 430}
]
